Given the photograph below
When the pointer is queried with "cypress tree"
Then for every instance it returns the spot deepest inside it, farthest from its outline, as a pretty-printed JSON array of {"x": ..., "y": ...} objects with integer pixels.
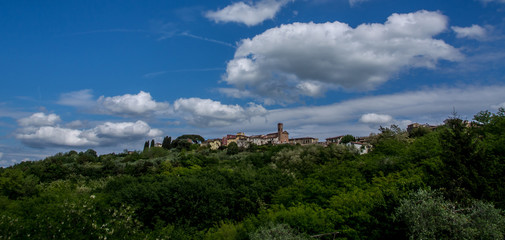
[
  {"x": 166, "y": 142},
  {"x": 146, "y": 145}
]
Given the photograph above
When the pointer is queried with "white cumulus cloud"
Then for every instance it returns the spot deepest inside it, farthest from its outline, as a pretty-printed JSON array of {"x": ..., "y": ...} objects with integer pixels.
[
  {"x": 131, "y": 104},
  {"x": 1, "y": 155},
  {"x": 249, "y": 14},
  {"x": 55, "y": 136},
  {"x": 39, "y": 135},
  {"x": 375, "y": 118},
  {"x": 207, "y": 112},
  {"x": 40, "y": 119},
  {"x": 473, "y": 32},
  {"x": 125, "y": 130},
  {"x": 308, "y": 58},
  {"x": 127, "y": 105}
]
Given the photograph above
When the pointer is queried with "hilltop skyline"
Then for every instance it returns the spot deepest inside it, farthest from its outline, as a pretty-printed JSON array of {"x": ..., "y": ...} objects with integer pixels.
[{"x": 107, "y": 75}]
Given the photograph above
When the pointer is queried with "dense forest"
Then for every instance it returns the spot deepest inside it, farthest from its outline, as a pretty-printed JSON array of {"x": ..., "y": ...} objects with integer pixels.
[{"x": 447, "y": 183}]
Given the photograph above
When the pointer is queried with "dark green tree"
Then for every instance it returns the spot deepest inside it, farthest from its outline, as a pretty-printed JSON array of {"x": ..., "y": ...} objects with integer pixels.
[
  {"x": 390, "y": 141},
  {"x": 146, "y": 146},
  {"x": 192, "y": 137},
  {"x": 167, "y": 141},
  {"x": 347, "y": 139},
  {"x": 232, "y": 149},
  {"x": 182, "y": 144},
  {"x": 462, "y": 162},
  {"x": 419, "y": 132},
  {"x": 490, "y": 135},
  {"x": 152, "y": 143},
  {"x": 15, "y": 184}
]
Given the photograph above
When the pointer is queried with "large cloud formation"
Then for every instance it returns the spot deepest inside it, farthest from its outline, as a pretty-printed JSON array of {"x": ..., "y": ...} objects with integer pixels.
[
  {"x": 210, "y": 113},
  {"x": 131, "y": 105},
  {"x": 308, "y": 58},
  {"x": 248, "y": 14},
  {"x": 47, "y": 133}
]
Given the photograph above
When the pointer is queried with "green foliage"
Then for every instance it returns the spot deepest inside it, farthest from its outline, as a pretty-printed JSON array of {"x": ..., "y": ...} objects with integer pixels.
[
  {"x": 155, "y": 152},
  {"x": 182, "y": 144},
  {"x": 146, "y": 146},
  {"x": 419, "y": 132},
  {"x": 194, "y": 138},
  {"x": 429, "y": 216},
  {"x": 308, "y": 218},
  {"x": 167, "y": 142},
  {"x": 391, "y": 141},
  {"x": 277, "y": 232},
  {"x": 67, "y": 211},
  {"x": 199, "y": 198},
  {"x": 15, "y": 184},
  {"x": 227, "y": 230},
  {"x": 185, "y": 191},
  {"x": 463, "y": 165},
  {"x": 232, "y": 149},
  {"x": 489, "y": 147},
  {"x": 347, "y": 139}
]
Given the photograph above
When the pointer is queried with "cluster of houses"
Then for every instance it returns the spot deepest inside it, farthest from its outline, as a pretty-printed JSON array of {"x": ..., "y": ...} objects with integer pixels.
[
  {"x": 282, "y": 137},
  {"x": 361, "y": 144},
  {"x": 413, "y": 126}
]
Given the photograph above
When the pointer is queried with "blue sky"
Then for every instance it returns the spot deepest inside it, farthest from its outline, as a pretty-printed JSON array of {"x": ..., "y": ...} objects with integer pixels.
[{"x": 109, "y": 75}]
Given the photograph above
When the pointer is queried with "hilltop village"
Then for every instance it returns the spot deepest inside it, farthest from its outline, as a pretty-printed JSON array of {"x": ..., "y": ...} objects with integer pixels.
[
  {"x": 282, "y": 137},
  {"x": 361, "y": 144}
]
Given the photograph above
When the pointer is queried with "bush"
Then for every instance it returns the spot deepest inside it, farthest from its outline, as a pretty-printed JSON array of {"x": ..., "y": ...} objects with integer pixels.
[{"x": 278, "y": 231}]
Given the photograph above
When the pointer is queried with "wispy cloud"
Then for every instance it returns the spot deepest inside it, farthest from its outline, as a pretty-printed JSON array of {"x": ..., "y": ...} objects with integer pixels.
[
  {"x": 160, "y": 73},
  {"x": 248, "y": 13},
  {"x": 473, "y": 32},
  {"x": 355, "y": 2},
  {"x": 82, "y": 98},
  {"x": 161, "y": 29},
  {"x": 154, "y": 74},
  {"x": 113, "y": 30},
  {"x": 186, "y": 34},
  {"x": 490, "y": 1}
]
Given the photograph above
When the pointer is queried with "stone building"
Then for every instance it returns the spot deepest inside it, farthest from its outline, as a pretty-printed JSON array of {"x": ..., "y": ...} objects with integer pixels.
[
  {"x": 304, "y": 140},
  {"x": 242, "y": 140},
  {"x": 278, "y": 137},
  {"x": 413, "y": 126},
  {"x": 214, "y": 144},
  {"x": 335, "y": 140}
]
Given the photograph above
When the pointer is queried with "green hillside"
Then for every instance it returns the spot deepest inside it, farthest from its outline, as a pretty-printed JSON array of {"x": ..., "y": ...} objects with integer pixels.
[{"x": 447, "y": 183}]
